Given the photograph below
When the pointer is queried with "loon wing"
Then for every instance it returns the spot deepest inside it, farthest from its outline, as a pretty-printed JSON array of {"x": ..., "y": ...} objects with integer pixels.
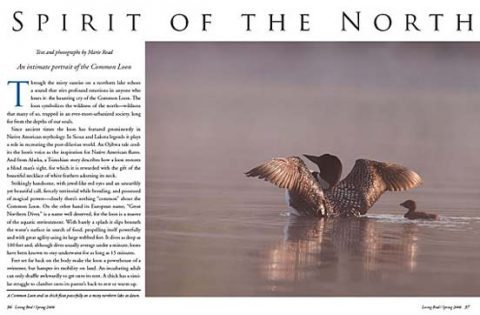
[
  {"x": 367, "y": 181},
  {"x": 292, "y": 173}
]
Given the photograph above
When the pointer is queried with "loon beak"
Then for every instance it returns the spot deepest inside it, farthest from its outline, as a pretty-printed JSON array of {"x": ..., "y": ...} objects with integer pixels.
[
  {"x": 403, "y": 204},
  {"x": 312, "y": 158}
]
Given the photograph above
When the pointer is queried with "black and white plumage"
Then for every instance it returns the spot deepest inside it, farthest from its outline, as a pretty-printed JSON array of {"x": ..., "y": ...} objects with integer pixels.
[
  {"x": 352, "y": 196},
  {"x": 291, "y": 173}
]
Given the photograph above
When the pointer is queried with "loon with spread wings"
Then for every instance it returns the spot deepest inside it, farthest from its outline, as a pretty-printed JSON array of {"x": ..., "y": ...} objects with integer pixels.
[{"x": 352, "y": 196}]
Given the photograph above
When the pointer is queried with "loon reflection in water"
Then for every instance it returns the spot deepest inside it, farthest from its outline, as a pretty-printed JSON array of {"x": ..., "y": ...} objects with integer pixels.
[
  {"x": 357, "y": 244},
  {"x": 352, "y": 196}
]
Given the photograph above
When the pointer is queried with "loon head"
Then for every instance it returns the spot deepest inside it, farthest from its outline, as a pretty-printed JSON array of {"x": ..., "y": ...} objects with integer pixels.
[
  {"x": 409, "y": 204},
  {"x": 330, "y": 167}
]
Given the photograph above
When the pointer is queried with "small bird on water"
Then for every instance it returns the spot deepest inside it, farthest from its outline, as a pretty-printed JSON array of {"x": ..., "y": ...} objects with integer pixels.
[
  {"x": 413, "y": 215},
  {"x": 323, "y": 195}
]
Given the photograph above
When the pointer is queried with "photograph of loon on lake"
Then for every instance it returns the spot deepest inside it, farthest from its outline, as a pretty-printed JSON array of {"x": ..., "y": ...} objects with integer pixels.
[{"x": 312, "y": 169}]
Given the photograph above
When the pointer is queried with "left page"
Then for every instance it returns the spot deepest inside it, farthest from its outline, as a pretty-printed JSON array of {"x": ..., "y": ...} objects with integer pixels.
[{"x": 73, "y": 152}]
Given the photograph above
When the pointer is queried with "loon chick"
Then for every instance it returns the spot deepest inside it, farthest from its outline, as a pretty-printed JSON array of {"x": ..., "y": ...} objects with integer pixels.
[
  {"x": 412, "y": 215},
  {"x": 352, "y": 196}
]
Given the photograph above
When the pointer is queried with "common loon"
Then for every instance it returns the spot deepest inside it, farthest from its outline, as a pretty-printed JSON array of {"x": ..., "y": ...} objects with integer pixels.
[
  {"x": 330, "y": 168},
  {"x": 352, "y": 196},
  {"x": 412, "y": 215}
]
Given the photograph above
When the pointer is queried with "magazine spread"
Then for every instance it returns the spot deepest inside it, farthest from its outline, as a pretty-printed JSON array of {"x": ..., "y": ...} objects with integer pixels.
[{"x": 134, "y": 134}]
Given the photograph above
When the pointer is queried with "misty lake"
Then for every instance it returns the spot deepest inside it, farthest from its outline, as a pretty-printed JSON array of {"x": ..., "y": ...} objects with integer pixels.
[{"x": 215, "y": 110}]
